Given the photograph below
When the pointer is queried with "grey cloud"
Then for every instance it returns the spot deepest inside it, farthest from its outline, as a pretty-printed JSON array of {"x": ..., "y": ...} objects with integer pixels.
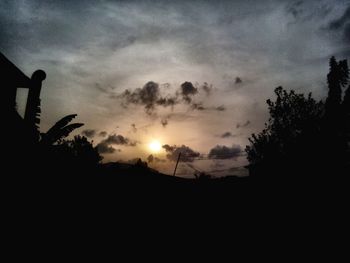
[
  {"x": 347, "y": 32},
  {"x": 103, "y": 147},
  {"x": 208, "y": 89},
  {"x": 164, "y": 122},
  {"x": 148, "y": 96},
  {"x": 340, "y": 22},
  {"x": 167, "y": 101},
  {"x": 187, "y": 154},
  {"x": 133, "y": 126},
  {"x": 102, "y": 134},
  {"x": 187, "y": 91},
  {"x": 224, "y": 152},
  {"x": 119, "y": 140},
  {"x": 242, "y": 125},
  {"x": 220, "y": 108},
  {"x": 90, "y": 133},
  {"x": 295, "y": 8},
  {"x": 226, "y": 135},
  {"x": 342, "y": 25},
  {"x": 238, "y": 80},
  {"x": 150, "y": 158},
  {"x": 197, "y": 106},
  {"x": 154, "y": 159}
]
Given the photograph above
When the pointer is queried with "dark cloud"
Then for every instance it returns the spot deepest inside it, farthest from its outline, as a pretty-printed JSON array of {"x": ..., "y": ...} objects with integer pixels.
[
  {"x": 208, "y": 89},
  {"x": 187, "y": 91},
  {"x": 340, "y": 22},
  {"x": 150, "y": 158},
  {"x": 102, "y": 134},
  {"x": 224, "y": 152},
  {"x": 148, "y": 96},
  {"x": 226, "y": 135},
  {"x": 238, "y": 80},
  {"x": 187, "y": 154},
  {"x": 220, "y": 108},
  {"x": 165, "y": 85},
  {"x": 90, "y": 133},
  {"x": 295, "y": 9},
  {"x": 242, "y": 125},
  {"x": 347, "y": 32},
  {"x": 104, "y": 147},
  {"x": 342, "y": 25},
  {"x": 155, "y": 159},
  {"x": 229, "y": 135},
  {"x": 133, "y": 126},
  {"x": 164, "y": 122},
  {"x": 197, "y": 106},
  {"x": 165, "y": 102},
  {"x": 118, "y": 140}
]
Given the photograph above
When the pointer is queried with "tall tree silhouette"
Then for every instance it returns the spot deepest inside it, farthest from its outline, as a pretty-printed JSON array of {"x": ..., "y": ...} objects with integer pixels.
[
  {"x": 337, "y": 79},
  {"x": 346, "y": 101}
]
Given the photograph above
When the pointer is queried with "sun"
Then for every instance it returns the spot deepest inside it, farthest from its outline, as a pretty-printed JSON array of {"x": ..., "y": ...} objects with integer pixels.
[{"x": 155, "y": 146}]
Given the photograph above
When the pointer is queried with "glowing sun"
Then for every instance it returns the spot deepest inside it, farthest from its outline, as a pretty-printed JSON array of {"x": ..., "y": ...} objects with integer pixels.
[{"x": 155, "y": 146}]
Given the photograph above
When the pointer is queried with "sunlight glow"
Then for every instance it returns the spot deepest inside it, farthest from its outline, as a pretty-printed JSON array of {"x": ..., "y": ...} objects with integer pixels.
[{"x": 155, "y": 146}]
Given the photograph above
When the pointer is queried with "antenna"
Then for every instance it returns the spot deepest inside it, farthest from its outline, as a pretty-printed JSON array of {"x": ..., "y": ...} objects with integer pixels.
[{"x": 177, "y": 162}]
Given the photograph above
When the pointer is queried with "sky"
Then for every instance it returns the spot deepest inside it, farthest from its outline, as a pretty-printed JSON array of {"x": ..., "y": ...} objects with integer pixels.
[{"x": 185, "y": 76}]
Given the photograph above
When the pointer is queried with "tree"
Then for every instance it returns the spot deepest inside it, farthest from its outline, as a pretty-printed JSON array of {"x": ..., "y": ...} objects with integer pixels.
[
  {"x": 288, "y": 135},
  {"x": 337, "y": 79},
  {"x": 303, "y": 136},
  {"x": 81, "y": 151},
  {"x": 60, "y": 130}
]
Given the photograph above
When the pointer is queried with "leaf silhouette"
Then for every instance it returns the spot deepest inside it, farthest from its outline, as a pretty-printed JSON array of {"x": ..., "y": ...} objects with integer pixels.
[{"x": 60, "y": 130}]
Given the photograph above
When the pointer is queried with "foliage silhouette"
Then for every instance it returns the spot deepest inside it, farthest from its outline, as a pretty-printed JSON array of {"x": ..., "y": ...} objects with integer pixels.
[
  {"x": 304, "y": 136},
  {"x": 78, "y": 153},
  {"x": 60, "y": 130}
]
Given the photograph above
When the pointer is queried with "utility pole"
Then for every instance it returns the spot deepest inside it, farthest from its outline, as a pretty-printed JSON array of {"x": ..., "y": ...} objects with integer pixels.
[{"x": 177, "y": 162}]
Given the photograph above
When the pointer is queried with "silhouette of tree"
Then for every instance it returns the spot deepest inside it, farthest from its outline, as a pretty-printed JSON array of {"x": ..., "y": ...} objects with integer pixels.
[
  {"x": 337, "y": 79},
  {"x": 346, "y": 101},
  {"x": 346, "y": 111},
  {"x": 81, "y": 151},
  {"x": 287, "y": 137},
  {"x": 303, "y": 136},
  {"x": 60, "y": 130}
]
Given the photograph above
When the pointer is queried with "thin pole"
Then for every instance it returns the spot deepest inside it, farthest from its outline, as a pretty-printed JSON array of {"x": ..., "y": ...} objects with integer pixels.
[{"x": 178, "y": 158}]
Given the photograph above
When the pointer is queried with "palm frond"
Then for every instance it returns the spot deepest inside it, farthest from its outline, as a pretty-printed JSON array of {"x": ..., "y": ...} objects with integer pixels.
[
  {"x": 65, "y": 131},
  {"x": 60, "y": 124},
  {"x": 60, "y": 130}
]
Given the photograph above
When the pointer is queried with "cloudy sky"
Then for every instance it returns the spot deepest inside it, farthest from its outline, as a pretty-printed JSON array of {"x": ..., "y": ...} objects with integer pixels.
[{"x": 190, "y": 76}]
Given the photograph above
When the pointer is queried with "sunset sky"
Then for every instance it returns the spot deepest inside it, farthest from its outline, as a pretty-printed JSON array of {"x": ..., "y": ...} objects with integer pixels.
[{"x": 163, "y": 77}]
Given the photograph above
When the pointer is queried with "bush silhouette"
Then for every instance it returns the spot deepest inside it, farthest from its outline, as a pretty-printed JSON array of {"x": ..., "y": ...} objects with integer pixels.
[{"x": 304, "y": 136}]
